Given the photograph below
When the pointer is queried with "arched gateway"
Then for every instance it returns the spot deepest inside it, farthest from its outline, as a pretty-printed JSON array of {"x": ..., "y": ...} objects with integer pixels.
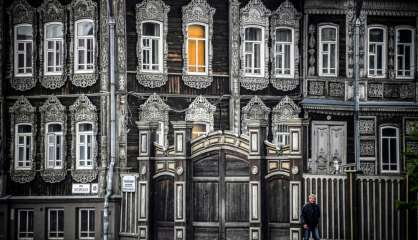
[{"x": 217, "y": 186}]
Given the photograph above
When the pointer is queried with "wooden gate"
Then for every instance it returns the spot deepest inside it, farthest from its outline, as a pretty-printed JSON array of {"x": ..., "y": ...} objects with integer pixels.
[
  {"x": 220, "y": 196},
  {"x": 163, "y": 208}
]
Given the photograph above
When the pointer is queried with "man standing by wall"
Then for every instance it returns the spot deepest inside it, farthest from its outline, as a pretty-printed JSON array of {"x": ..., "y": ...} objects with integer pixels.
[{"x": 310, "y": 218}]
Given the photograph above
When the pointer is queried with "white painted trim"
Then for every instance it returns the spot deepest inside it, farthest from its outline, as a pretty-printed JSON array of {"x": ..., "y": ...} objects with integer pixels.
[
  {"x": 295, "y": 203},
  {"x": 183, "y": 230},
  {"x": 160, "y": 47},
  {"x": 292, "y": 53},
  {"x": 412, "y": 52},
  {"x": 397, "y": 148},
  {"x": 143, "y": 201},
  {"x": 76, "y": 70},
  {"x": 88, "y": 222},
  {"x": 180, "y": 202},
  {"x": 17, "y": 135},
  {"x": 45, "y": 40},
  {"x": 27, "y": 223},
  {"x": 16, "y": 74},
  {"x": 384, "y": 55},
  {"x": 49, "y": 223},
  {"x": 298, "y": 231},
  {"x": 55, "y": 145},
  {"x": 254, "y": 203},
  {"x": 85, "y": 133},
  {"x": 329, "y": 43}
]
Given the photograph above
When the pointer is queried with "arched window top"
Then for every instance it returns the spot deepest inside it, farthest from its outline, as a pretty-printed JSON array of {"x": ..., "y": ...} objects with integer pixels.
[
  {"x": 284, "y": 34},
  {"x": 151, "y": 28},
  {"x": 24, "y": 128},
  {"x": 405, "y": 52},
  {"x": 84, "y": 27},
  {"x": 389, "y": 131},
  {"x": 85, "y": 127},
  {"x": 54, "y": 30},
  {"x": 328, "y": 32},
  {"x": 253, "y": 33},
  {"x": 54, "y": 127},
  {"x": 196, "y": 30}
]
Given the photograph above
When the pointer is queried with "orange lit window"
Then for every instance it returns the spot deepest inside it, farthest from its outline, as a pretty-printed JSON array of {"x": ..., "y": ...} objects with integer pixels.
[{"x": 196, "y": 48}]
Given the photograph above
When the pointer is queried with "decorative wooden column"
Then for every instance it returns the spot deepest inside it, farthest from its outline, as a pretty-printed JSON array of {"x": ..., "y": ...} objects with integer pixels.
[
  {"x": 257, "y": 135},
  {"x": 2, "y": 144},
  {"x": 182, "y": 150},
  {"x": 234, "y": 46},
  {"x": 147, "y": 136}
]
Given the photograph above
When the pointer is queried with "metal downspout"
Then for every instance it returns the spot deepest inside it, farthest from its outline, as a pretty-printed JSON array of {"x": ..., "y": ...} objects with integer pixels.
[{"x": 109, "y": 179}]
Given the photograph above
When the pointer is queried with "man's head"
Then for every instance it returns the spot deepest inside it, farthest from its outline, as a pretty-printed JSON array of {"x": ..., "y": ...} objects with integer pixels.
[{"x": 312, "y": 198}]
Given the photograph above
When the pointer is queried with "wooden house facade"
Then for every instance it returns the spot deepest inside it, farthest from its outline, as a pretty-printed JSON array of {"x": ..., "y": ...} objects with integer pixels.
[{"x": 229, "y": 114}]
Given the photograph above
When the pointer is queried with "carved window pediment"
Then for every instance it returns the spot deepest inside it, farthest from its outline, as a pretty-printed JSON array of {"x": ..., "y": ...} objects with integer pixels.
[
  {"x": 52, "y": 111},
  {"x": 21, "y": 12},
  {"x": 51, "y": 11},
  {"x": 201, "y": 13},
  {"x": 83, "y": 10},
  {"x": 22, "y": 112},
  {"x": 154, "y": 11},
  {"x": 83, "y": 111},
  {"x": 286, "y": 109},
  {"x": 287, "y": 17},
  {"x": 201, "y": 111},
  {"x": 155, "y": 110},
  {"x": 255, "y": 14},
  {"x": 254, "y": 110}
]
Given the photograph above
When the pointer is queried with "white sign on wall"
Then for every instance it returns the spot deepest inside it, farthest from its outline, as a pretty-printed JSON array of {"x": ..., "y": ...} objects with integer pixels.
[
  {"x": 94, "y": 188},
  {"x": 128, "y": 183},
  {"x": 79, "y": 188}
]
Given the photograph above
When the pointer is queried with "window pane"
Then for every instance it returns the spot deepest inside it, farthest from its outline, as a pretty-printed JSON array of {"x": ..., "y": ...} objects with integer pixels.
[
  {"x": 389, "y": 132},
  {"x": 83, "y": 220},
  {"x": 287, "y": 56},
  {"x": 257, "y": 56},
  {"x": 24, "y": 33},
  {"x": 54, "y": 128},
  {"x": 196, "y": 31},
  {"x": 253, "y": 34},
  {"x": 284, "y": 35},
  {"x": 24, "y": 128},
  {"x": 155, "y": 52},
  {"x": 393, "y": 151},
  {"x": 29, "y": 55},
  {"x": 54, "y": 31},
  {"x": 91, "y": 220},
  {"x": 85, "y": 28},
  {"x": 85, "y": 127},
  {"x": 53, "y": 221},
  {"x": 201, "y": 53},
  {"x": 385, "y": 151},
  {"x": 61, "y": 220},
  {"x": 332, "y": 56},
  {"x": 376, "y": 35},
  {"x": 404, "y": 36},
  {"x": 192, "y": 55},
  {"x": 151, "y": 29},
  {"x": 329, "y": 34},
  {"x": 407, "y": 58},
  {"x": 30, "y": 221}
]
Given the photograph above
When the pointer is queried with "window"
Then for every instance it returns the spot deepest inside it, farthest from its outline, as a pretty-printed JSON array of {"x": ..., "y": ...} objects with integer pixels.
[
  {"x": 54, "y": 51},
  {"x": 84, "y": 46},
  {"x": 282, "y": 135},
  {"x": 151, "y": 47},
  {"x": 389, "y": 149},
  {"x": 160, "y": 133},
  {"x": 404, "y": 53},
  {"x": 84, "y": 146},
  {"x": 55, "y": 223},
  {"x": 284, "y": 53},
  {"x": 23, "y": 154},
  {"x": 198, "y": 129},
  {"x": 86, "y": 223},
  {"x": 54, "y": 146},
  {"x": 25, "y": 224},
  {"x": 328, "y": 50},
  {"x": 23, "y": 50},
  {"x": 196, "y": 49},
  {"x": 254, "y": 51},
  {"x": 377, "y": 52}
]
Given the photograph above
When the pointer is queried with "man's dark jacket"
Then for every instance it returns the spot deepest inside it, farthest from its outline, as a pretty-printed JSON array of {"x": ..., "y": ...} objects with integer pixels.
[{"x": 310, "y": 215}]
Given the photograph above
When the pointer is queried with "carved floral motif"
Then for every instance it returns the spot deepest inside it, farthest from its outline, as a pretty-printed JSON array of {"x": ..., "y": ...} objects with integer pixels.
[
  {"x": 375, "y": 90},
  {"x": 255, "y": 14},
  {"x": 22, "y": 112},
  {"x": 201, "y": 110},
  {"x": 367, "y": 148},
  {"x": 254, "y": 110},
  {"x": 83, "y": 111},
  {"x": 316, "y": 88},
  {"x": 367, "y": 127},
  {"x": 152, "y": 10},
  {"x": 200, "y": 12}
]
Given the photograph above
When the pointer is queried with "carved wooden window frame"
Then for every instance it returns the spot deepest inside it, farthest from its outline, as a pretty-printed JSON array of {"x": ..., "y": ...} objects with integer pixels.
[
  {"x": 412, "y": 52},
  {"x": 263, "y": 47},
  {"x": 52, "y": 12},
  {"x": 83, "y": 111},
  {"x": 22, "y": 13},
  {"x": 201, "y": 13},
  {"x": 152, "y": 11},
  {"x": 156, "y": 110},
  {"x": 22, "y": 112},
  {"x": 53, "y": 112},
  {"x": 337, "y": 45},
  {"x": 246, "y": 112},
  {"x": 255, "y": 14},
  {"x": 286, "y": 16},
  {"x": 83, "y": 10},
  {"x": 285, "y": 111},
  {"x": 397, "y": 139},
  {"x": 200, "y": 111},
  {"x": 384, "y": 51}
]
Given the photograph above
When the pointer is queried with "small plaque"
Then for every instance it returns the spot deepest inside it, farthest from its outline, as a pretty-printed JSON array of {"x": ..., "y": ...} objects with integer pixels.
[
  {"x": 128, "y": 183},
  {"x": 94, "y": 188},
  {"x": 79, "y": 188}
]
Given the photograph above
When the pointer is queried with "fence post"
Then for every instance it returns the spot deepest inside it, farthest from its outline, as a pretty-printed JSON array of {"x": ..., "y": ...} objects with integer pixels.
[{"x": 352, "y": 205}]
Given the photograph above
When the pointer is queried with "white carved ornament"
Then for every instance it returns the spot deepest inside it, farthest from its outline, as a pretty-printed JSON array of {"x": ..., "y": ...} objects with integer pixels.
[
  {"x": 22, "y": 112},
  {"x": 51, "y": 11},
  {"x": 198, "y": 11},
  {"x": 53, "y": 111},
  {"x": 201, "y": 110},
  {"x": 83, "y": 111},
  {"x": 286, "y": 109},
  {"x": 155, "y": 10},
  {"x": 155, "y": 110},
  {"x": 254, "y": 14},
  {"x": 21, "y": 12},
  {"x": 254, "y": 110},
  {"x": 285, "y": 15}
]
